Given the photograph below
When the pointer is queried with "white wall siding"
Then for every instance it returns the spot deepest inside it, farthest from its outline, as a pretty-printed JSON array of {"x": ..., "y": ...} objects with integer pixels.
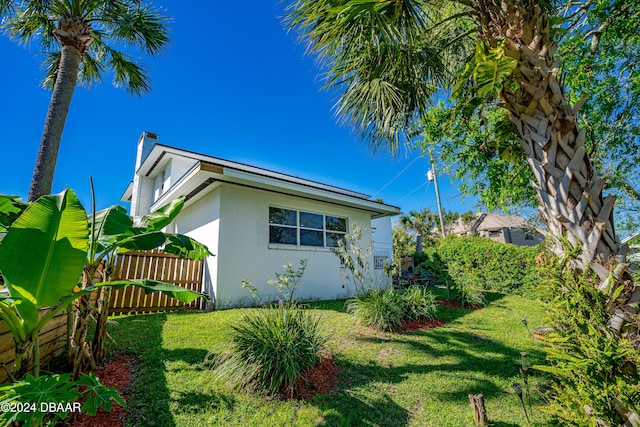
[
  {"x": 201, "y": 221},
  {"x": 180, "y": 166},
  {"x": 245, "y": 253}
]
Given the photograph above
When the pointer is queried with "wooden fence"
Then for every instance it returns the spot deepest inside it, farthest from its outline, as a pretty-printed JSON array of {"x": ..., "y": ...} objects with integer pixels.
[
  {"x": 157, "y": 266},
  {"x": 136, "y": 265},
  {"x": 53, "y": 340}
]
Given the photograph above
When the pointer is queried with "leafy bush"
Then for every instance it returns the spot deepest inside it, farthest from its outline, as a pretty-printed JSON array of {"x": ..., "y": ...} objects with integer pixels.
[
  {"x": 483, "y": 263},
  {"x": 387, "y": 309},
  {"x": 466, "y": 291},
  {"x": 48, "y": 399},
  {"x": 271, "y": 349},
  {"x": 418, "y": 303},
  {"x": 593, "y": 371},
  {"x": 378, "y": 309}
]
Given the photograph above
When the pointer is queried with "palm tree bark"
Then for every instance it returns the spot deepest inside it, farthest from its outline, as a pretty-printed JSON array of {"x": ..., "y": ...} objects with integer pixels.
[
  {"x": 42, "y": 180},
  {"x": 567, "y": 185}
]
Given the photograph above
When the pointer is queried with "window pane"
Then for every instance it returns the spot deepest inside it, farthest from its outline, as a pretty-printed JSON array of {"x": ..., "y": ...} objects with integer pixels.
[
  {"x": 333, "y": 238},
  {"x": 309, "y": 220},
  {"x": 311, "y": 238},
  {"x": 282, "y": 216},
  {"x": 284, "y": 235},
  {"x": 336, "y": 224}
]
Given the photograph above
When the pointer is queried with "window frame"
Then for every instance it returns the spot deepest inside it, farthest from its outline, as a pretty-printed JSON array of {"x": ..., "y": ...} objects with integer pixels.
[{"x": 301, "y": 228}]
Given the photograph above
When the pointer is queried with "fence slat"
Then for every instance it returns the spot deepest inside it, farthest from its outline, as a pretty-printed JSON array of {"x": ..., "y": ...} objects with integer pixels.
[{"x": 157, "y": 266}]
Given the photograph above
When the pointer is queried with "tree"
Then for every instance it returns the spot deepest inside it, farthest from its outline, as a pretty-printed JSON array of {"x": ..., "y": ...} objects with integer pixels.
[
  {"x": 403, "y": 246},
  {"x": 420, "y": 223},
  {"x": 82, "y": 39},
  {"x": 513, "y": 68}
]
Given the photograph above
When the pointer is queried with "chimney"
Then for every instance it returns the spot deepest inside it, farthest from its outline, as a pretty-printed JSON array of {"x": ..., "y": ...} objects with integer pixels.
[
  {"x": 145, "y": 144},
  {"x": 141, "y": 200}
]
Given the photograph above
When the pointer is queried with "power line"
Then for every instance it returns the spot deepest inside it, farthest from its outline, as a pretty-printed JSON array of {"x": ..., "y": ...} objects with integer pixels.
[
  {"x": 395, "y": 177},
  {"x": 411, "y": 192}
]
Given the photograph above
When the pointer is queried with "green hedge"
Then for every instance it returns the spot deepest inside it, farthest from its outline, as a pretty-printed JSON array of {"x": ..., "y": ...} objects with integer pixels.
[{"x": 485, "y": 263}]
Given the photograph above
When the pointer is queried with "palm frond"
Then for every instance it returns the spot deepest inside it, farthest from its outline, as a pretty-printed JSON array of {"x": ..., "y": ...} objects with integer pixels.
[
  {"x": 92, "y": 68},
  {"x": 387, "y": 58},
  {"x": 127, "y": 73},
  {"x": 141, "y": 26},
  {"x": 51, "y": 65},
  {"x": 6, "y": 7}
]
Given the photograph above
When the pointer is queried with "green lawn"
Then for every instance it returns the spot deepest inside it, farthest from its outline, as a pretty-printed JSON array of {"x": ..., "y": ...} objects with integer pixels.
[{"x": 386, "y": 379}]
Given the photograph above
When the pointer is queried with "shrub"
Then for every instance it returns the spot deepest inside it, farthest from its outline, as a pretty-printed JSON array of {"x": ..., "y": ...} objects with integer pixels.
[
  {"x": 271, "y": 349},
  {"x": 466, "y": 290},
  {"x": 418, "y": 303},
  {"x": 378, "y": 309},
  {"x": 486, "y": 264},
  {"x": 593, "y": 372},
  {"x": 58, "y": 391}
]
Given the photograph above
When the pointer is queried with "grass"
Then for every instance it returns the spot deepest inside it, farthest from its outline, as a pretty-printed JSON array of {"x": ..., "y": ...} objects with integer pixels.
[{"x": 386, "y": 379}]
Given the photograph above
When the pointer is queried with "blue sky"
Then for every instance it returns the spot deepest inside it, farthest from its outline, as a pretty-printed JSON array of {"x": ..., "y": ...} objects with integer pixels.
[{"x": 232, "y": 84}]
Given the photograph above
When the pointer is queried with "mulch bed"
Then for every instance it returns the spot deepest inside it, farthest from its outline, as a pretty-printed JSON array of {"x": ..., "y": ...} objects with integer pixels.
[
  {"x": 454, "y": 304},
  {"x": 115, "y": 373},
  {"x": 420, "y": 325},
  {"x": 320, "y": 379}
]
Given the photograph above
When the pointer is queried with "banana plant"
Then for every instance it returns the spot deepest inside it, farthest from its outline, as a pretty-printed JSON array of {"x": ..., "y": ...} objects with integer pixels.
[
  {"x": 46, "y": 246},
  {"x": 113, "y": 232}
]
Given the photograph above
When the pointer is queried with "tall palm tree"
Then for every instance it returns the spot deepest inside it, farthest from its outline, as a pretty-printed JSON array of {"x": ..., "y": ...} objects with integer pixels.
[
  {"x": 82, "y": 39},
  {"x": 420, "y": 222},
  {"x": 373, "y": 51}
]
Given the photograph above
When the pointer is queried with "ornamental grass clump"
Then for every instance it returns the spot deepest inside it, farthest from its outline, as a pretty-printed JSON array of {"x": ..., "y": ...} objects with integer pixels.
[
  {"x": 378, "y": 309},
  {"x": 418, "y": 303},
  {"x": 387, "y": 309},
  {"x": 271, "y": 349}
]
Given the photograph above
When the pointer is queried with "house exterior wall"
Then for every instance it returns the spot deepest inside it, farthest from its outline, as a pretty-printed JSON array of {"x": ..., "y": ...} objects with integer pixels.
[
  {"x": 519, "y": 237},
  {"x": 515, "y": 236},
  {"x": 201, "y": 221},
  {"x": 245, "y": 252},
  {"x": 382, "y": 240}
]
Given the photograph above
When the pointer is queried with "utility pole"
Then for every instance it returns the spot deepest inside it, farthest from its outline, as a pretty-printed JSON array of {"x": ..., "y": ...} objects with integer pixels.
[{"x": 432, "y": 176}]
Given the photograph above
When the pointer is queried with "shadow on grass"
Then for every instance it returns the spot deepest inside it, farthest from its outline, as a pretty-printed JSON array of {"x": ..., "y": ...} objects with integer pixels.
[
  {"x": 485, "y": 365},
  {"x": 149, "y": 399},
  {"x": 441, "y": 292}
]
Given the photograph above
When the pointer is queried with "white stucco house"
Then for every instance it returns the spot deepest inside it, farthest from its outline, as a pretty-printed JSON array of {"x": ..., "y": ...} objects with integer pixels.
[{"x": 255, "y": 220}]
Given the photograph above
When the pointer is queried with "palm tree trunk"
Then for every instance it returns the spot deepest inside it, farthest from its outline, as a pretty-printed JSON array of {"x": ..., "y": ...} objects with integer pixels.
[
  {"x": 42, "y": 180},
  {"x": 567, "y": 185}
]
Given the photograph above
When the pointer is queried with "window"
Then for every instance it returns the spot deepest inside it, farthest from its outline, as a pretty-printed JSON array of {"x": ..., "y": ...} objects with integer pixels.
[
  {"x": 291, "y": 227},
  {"x": 380, "y": 260}
]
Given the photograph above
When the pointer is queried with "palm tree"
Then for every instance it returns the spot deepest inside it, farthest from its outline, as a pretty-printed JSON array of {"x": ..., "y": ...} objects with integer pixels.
[
  {"x": 374, "y": 51},
  {"x": 419, "y": 222},
  {"x": 83, "y": 39}
]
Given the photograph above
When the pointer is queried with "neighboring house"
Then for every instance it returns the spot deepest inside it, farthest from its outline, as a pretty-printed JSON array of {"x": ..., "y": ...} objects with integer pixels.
[
  {"x": 255, "y": 220},
  {"x": 501, "y": 228}
]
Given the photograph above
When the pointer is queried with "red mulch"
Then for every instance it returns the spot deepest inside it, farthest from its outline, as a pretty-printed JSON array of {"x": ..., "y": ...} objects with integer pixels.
[
  {"x": 321, "y": 379},
  {"x": 454, "y": 304},
  {"x": 420, "y": 325},
  {"x": 115, "y": 373}
]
